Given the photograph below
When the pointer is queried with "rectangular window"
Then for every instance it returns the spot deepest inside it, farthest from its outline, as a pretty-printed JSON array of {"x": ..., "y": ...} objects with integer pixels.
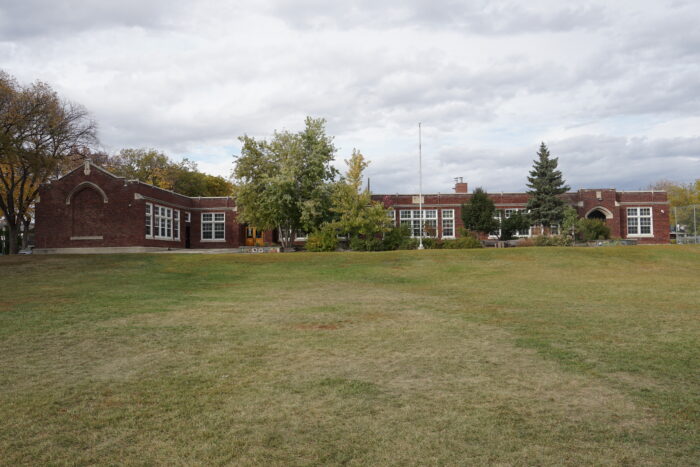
[
  {"x": 149, "y": 220},
  {"x": 639, "y": 222},
  {"x": 214, "y": 226},
  {"x": 168, "y": 223},
  {"x": 188, "y": 218},
  {"x": 391, "y": 215},
  {"x": 160, "y": 221},
  {"x": 176, "y": 224},
  {"x": 448, "y": 223},
  {"x": 411, "y": 218}
]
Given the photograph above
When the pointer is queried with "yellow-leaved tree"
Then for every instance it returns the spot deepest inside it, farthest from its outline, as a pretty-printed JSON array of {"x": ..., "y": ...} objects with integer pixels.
[{"x": 38, "y": 132}]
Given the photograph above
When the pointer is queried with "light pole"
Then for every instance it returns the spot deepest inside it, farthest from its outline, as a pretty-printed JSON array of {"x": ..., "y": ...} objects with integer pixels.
[{"x": 420, "y": 189}]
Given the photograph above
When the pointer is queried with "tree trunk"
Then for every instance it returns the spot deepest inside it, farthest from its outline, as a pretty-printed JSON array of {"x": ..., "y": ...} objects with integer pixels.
[
  {"x": 283, "y": 237},
  {"x": 12, "y": 234},
  {"x": 25, "y": 233}
]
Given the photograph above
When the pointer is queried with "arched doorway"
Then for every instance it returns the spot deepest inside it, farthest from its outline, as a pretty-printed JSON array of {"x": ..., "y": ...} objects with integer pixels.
[
  {"x": 596, "y": 214},
  {"x": 599, "y": 213}
]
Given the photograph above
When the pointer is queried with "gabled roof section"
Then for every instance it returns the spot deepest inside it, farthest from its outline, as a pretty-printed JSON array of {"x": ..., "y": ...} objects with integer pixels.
[
  {"x": 106, "y": 172},
  {"x": 92, "y": 165}
]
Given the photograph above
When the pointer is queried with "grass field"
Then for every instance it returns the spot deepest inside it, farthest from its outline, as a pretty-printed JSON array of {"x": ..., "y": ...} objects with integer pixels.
[{"x": 523, "y": 356}]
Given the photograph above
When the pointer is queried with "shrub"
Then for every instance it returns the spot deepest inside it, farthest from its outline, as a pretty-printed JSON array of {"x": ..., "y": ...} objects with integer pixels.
[
  {"x": 366, "y": 244},
  {"x": 432, "y": 243},
  {"x": 324, "y": 239},
  {"x": 409, "y": 244},
  {"x": 590, "y": 230},
  {"x": 552, "y": 240},
  {"x": 526, "y": 242},
  {"x": 396, "y": 238},
  {"x": 465, "y": 242}
]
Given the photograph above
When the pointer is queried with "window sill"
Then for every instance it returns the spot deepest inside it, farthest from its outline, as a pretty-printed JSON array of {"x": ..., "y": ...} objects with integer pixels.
[{"x": 221, "y": 240}]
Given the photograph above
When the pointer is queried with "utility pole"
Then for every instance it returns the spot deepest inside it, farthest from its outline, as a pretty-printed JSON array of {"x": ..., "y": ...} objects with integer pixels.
[{"x": 420, "y": 188}]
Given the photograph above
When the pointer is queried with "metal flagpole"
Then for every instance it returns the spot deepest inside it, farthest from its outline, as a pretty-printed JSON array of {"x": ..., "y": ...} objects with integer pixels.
[{"x": 420, "y": 188}]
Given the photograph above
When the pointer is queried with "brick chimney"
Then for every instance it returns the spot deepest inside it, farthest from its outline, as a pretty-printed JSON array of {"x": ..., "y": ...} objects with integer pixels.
[{"x": 460, "y": 185}]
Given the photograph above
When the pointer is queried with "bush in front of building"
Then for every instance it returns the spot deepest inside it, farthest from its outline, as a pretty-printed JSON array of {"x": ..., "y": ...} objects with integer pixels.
[
  {"x": 590, "y": 230},
  {"x": 366, "y": 244},
  {"x": 464, "y": 242},
  {"x": 324, "y": 239},
  {"x": 399, "y": 238},
  {"x": 551, "y": 240}
]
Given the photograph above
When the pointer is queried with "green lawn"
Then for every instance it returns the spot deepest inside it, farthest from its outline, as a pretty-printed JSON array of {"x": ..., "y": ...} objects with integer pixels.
[{"x": 523, "y": 356}]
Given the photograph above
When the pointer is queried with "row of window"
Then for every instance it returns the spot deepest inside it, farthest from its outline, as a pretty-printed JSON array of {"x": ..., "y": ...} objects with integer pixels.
[
  {"x": 163, "y": 223},
  {"x": 639, "y": 222},
  {"x": 411, "y": 218}
]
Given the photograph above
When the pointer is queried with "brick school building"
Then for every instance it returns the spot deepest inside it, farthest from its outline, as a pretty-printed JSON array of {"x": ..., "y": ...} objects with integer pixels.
[{"x": 91, "y": 210}]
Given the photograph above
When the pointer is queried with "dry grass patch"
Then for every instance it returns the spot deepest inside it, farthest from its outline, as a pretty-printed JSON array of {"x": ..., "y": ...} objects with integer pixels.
[{"x": 407, "y": 358}]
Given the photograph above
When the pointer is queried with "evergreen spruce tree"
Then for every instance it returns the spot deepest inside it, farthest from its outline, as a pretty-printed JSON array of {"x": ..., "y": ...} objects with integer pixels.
[
  {"x": 478, "y": 214},
  {"x": 546, "y": 184}
]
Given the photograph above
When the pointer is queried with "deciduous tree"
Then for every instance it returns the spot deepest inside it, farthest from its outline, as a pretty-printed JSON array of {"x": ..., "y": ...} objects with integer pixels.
[
  {"x": 38, "y": 132},
  {"x": 358, "y": 215},
  {"x": 286, "y": 182}
]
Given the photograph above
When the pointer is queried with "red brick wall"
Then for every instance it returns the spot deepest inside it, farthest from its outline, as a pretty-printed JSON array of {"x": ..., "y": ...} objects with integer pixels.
[
  {"x": 584, "y": 201},
  {"x": 658, "y": 202},
  {"x": 74, "y": 207},
  {"x": 87, "y": 213},
  {"x": 121, "y": 220}
]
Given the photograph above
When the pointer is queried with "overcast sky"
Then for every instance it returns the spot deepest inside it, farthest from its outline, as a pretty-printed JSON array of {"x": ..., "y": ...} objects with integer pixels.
[{"x": 613, "y": 87}]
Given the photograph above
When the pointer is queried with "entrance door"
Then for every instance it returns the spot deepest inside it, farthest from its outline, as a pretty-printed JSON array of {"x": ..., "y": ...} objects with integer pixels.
[
  {"x": 187, "y": 236},
  {"x": 253, "y": 237}
]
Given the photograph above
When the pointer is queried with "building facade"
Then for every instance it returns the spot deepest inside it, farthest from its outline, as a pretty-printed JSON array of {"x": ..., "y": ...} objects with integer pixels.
[
  {"x": 639, "y": 215},
  {"x": 90, "y": 210}
]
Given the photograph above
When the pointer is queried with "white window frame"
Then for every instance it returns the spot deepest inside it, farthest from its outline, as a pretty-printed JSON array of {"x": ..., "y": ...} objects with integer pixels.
[
  {"x": 149, "y": 220},
  {"x": 213, "y": 222},
  {"x": 188, "y": 217},
  {"x": 448, "y": 215},
  {"x": 636, "y": 214},
  {"x": 411, "y": 217},
  {"x": 391, "y": 215},
  {"x": 176, "y": 225},
  {"x": 162, "y": 223}
]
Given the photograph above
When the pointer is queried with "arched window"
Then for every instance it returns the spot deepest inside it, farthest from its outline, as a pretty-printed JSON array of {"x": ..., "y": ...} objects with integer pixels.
[{"x": 600, "y": 213}]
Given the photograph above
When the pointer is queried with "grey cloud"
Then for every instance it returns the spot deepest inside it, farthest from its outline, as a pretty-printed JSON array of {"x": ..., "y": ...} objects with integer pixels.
[
  {"x": 593, "y": 161},
  {"x": 29, "y": 18},
  {"x": 479, "y": 74},
  {"x": 482, "y": 17}
]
